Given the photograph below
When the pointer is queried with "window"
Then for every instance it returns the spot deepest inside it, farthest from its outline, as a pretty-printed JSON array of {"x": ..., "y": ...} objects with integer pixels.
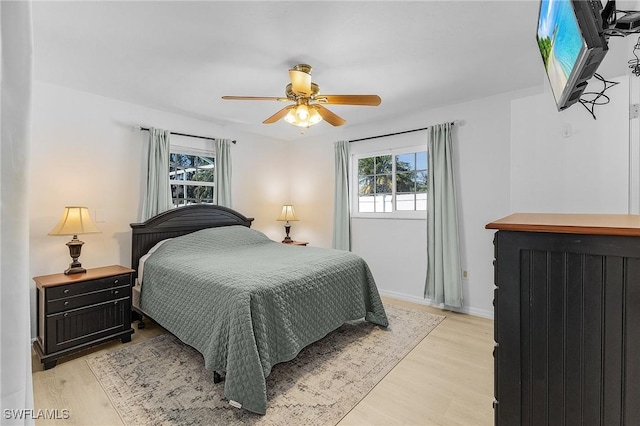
[
  {"x": 191, "y": 177},
  {"x": 391, "y": 184}
]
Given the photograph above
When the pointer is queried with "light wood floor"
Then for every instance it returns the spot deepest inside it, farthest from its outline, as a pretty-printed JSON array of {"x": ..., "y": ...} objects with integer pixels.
[{"x": 446, "y": 380}]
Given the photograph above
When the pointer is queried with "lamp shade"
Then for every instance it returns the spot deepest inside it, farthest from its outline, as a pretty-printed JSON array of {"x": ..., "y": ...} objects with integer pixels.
[
  {"x": 74, "y": 221},
  {"x": 287, "y": 213}
]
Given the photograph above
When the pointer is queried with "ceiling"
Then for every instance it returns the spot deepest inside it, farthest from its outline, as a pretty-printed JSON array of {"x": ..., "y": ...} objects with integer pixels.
[{"x": 183, "y": 56}]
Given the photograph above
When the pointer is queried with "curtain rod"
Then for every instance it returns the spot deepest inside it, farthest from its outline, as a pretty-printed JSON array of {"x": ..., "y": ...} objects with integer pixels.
[
  {"x": 453, "y": 123},
  {"x": 183, "y": 134}
]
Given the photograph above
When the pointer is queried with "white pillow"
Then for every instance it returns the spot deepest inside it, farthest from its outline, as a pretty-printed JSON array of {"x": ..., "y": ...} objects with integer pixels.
[{"x": 145, "y": 257}]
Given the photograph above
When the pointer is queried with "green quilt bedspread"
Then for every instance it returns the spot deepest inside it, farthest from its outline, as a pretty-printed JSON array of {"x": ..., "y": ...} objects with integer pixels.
[{"x": 247, "y": 303}]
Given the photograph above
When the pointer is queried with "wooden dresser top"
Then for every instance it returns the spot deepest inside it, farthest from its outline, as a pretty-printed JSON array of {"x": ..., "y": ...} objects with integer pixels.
[
  {"x": 595, "y": 224},
  {"x": 91, "y": 274}
]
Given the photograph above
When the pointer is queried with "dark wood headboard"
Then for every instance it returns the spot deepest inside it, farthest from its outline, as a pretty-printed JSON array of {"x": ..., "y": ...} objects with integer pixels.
[{"x": 180, "y": 221}]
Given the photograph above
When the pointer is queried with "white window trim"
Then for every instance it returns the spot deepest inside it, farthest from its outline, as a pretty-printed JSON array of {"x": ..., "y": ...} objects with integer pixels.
[{"x": 395, "y": 214}]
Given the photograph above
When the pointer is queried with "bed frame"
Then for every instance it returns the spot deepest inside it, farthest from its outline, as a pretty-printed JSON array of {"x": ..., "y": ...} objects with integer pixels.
[{"x": 180, "y": 221}]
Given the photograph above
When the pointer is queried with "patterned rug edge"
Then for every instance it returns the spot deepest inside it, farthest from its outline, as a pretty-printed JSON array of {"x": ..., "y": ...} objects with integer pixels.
[{"x": 114, "y": 404}]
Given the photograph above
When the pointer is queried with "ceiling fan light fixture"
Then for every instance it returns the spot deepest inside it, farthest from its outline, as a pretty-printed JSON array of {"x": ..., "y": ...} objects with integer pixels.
[{"x": 312, "y": 117}]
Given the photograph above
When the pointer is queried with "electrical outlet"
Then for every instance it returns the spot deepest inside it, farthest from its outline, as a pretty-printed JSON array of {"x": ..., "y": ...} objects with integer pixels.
[{"x": 465, "y": 275}]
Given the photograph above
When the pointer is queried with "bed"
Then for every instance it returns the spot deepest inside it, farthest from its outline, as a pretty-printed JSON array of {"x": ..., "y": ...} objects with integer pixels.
[{"x": 243, "y": 301}]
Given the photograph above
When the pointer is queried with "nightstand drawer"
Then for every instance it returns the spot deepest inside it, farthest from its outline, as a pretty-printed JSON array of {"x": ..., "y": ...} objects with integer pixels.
[
  {"x": 67, "y": 290},
  {"x": 90, "y": 323},
  {"x": 59, "y": 305}
]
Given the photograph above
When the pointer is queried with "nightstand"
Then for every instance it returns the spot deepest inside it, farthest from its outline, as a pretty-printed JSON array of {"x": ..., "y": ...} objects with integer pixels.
[
  {"x": 298, "y": 243},
  {"x": 81, "y": 310}
]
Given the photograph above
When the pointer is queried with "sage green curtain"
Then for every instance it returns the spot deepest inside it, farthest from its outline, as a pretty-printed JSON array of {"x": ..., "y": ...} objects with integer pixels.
[
  {"x": 16, "y": 62},
  {"x": 444, "y": 280},
  {"x": 223, "y": 172},
  {"x": 341, "y": 214},
  {"x": 158, "y": 193}
]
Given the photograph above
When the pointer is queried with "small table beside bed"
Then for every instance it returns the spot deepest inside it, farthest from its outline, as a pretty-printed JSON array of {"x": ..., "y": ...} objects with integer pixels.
[{"x": 243, "y": 301}]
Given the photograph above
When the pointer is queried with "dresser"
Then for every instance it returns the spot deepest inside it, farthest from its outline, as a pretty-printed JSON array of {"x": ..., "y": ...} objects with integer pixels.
[
  {"x": 567, "y": 319},
  {"x": 81, "y": 310}
]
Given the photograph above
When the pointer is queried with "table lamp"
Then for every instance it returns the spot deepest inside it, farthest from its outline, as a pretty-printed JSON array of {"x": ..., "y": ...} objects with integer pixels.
[
  {"x": 74, "y": 221},
  {"x": 288, "y": 214}
]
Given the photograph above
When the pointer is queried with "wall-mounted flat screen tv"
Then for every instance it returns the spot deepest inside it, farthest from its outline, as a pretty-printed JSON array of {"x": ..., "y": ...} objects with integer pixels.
[{"x": 572, "y": 44}]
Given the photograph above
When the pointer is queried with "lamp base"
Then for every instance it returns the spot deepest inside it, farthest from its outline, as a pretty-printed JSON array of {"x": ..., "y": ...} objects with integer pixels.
[
  {"x": 75, "y": 246},
  {"x": 287, "y": 228},
  {"x": 74, "y": 270}
]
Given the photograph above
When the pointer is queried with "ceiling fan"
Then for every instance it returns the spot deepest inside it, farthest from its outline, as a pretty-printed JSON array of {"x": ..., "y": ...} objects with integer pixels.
[{"x": 308, "y": 104}]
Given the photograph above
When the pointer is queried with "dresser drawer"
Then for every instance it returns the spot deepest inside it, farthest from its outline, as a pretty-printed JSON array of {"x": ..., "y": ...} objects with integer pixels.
[
  {"x": 59, "y": 305},
  {"x": 67, "y": 290}
]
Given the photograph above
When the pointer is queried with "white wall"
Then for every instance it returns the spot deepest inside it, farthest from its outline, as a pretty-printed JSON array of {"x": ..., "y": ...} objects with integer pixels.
[
  {"x": 568, "y": 162},
  {"x": 311, "y": 179},
  {"x": 85, "y": 151}
]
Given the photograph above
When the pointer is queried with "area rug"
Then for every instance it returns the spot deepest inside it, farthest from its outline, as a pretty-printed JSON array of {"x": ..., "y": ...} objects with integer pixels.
[{"x": 162, "y": 381}]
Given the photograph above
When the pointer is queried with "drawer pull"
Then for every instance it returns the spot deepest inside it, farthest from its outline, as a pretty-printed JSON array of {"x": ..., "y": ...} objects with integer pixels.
[
  {"x": 66, "y": 291},
  {"x": 116, "y": 281},
  {"x": 115, "y": 303},
  {"x": 66, "y": 303},
  {"x": 66, "y": 314},
  {"x": 116, "y": 292}
]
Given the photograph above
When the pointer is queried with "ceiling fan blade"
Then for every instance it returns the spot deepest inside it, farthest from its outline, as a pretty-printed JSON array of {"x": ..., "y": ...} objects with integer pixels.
[
  {"x": 369, "y": 100},
  {"x": 255, "y": 98},
  {"x": 300, "y": 82},
  {"x": 329, "y": 116},
  {"x": 278, "y": 115}
]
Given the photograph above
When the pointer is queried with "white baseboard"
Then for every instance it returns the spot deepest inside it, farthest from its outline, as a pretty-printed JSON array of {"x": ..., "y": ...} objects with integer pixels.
[{"x": 428, "y": 302}]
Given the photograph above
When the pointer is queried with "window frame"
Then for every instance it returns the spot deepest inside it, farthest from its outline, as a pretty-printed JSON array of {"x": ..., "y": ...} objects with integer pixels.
[
  {"x": 175, "y": 149},
  {"x": 354, "y": 185}
]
